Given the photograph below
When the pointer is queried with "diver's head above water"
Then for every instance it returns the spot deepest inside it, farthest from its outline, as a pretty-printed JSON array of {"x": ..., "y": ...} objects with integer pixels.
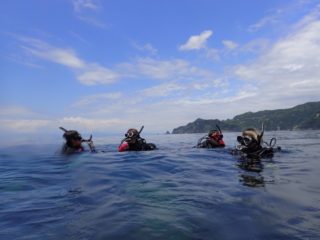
[
  {"x": 251, "y": 142},
  {"x": 134, "y": 142},
  {"x": 132, "y": 134},
  {"x": 251, "y": 137},
  {"x": 215, "y": 134},
  {"x": 214, "y": 139},
  {"x": 73, "y": 139},
  {"x": 252, "y": 133}
]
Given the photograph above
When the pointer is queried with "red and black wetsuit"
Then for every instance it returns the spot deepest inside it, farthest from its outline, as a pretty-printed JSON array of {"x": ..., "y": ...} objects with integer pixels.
[
  {"x": 138, "y": 144},
  {"x": 209, "y": 142}
]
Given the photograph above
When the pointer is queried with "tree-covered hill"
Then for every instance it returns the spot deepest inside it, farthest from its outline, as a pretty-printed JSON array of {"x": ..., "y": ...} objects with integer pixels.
[{"x": 305, "y": 116}]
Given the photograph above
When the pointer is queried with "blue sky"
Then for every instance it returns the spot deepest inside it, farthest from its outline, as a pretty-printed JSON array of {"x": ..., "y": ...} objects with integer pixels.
[{"x": 105, "y": 66}]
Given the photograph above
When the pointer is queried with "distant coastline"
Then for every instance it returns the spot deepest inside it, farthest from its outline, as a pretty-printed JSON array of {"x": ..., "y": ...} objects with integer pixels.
[{"x": 301, "y": 117}]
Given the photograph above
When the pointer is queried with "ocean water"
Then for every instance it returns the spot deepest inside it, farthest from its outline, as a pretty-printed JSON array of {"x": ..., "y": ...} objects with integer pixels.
[{"x": 176, "y": 192}]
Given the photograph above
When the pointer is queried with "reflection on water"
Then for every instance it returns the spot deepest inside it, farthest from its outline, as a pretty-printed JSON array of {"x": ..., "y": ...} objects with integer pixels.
[
  {"x": 251, "y": 176},
  {"x": 252, "y": 181},
  {"x": 176, "y": 192}
]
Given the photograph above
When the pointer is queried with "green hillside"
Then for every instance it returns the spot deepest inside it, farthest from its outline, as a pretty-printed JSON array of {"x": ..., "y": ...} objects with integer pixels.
[{"x": 305, "y": 116}]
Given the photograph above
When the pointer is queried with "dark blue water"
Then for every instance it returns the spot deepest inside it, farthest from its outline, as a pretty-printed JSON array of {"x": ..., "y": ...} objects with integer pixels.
[{"x": 177, "y": 192}]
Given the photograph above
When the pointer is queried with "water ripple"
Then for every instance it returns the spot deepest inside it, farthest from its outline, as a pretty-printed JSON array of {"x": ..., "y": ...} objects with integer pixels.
[{"x": 172, "y": 193}]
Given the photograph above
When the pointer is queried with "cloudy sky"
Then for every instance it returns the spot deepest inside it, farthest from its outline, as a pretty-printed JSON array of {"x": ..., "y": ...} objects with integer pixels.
[{"x": 97, "y": 65}]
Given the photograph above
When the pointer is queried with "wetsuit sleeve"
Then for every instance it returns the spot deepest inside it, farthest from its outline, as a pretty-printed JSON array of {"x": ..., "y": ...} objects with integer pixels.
[{"x": 123, "y": 147}]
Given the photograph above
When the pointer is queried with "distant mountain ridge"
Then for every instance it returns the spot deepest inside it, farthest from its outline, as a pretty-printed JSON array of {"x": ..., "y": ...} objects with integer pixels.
[{"x": 304, "y": 116}]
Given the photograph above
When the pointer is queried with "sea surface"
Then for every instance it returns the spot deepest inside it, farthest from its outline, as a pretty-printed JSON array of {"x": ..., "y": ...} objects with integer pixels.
[{"x": 176, "y": 192}]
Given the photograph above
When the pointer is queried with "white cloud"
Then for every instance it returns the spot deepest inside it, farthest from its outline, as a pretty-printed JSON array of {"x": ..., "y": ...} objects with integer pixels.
[
  {"x": 23, "y": 60},
  {"x": 243, "y": 94},
  {"x": 162, "y": 90},
  {"x": 157, "y": 116},
  {"x": 255, "y": 46},
  {"x": 199, "y": 42},
  {"x": 97, "y": 75},
  {"x": 15, "y": 111},
  {"x": 40, "y": 49},
  {"x": 80, "y": 5},
  {"x": 289, "y": 71},
  {"x": 212, "y": 53},
  {"x": 79, "y": 37},
  {"x": 169, "y": 113},
  {"x": 200, "y": 86},
  {"x": 267, "y": 20},
  {"x": 90, "y": 124},
  {"x": 94, "y": 74},
  {"x": 172, "y": 69},
  {"x": 146, "y": 48},
  {"x": 87, "y": 11},
  {"x": 165, "y": 69},
  {"x": 92, "y": 21},
  {"x": 278, "y": 17},
  {"x": 87, "y": 73},
  {"x": 230, "y": 45},
  {"x": 61, "y": 56},
  {"x": 101, "y": 98},
  {"x": 196, "y": 42},
  {"x": 22, "y": 125}
]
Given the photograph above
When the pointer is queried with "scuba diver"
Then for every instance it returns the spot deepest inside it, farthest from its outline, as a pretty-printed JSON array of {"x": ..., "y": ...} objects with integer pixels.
[
  {"x": 252, "y": 145},
  {"x": 252, "y": 149},
  {"x": 214, "y": 139},
  {"x": 133, "y": 142},
  {"x": 74, "y": 142}
]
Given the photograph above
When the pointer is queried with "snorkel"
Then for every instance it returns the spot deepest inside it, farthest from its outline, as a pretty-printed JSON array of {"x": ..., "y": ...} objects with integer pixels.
[
  {"x": 220, "y": 132},
  {"x": 141, "y": 129},
  {"x": 219, "y": 129},
  {"x": 261, "y": 134}
]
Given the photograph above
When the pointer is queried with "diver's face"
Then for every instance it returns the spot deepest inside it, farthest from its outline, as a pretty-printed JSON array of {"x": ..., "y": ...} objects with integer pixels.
[
  {"x": 76, "y": 142},
  {"x": 132, "y": 140},
  {"x": 250, "y": 135},
  {"x": 215, "y": 135},
  {"x": 132, "y": 136}
]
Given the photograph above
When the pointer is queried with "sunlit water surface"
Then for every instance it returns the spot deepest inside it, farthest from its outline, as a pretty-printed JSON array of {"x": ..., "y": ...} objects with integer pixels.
[{"x": 176, "y": 192}]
